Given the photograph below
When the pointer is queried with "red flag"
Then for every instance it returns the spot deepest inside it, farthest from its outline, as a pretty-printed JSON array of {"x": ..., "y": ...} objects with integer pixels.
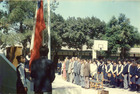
[{"x": 40, "y": 26}]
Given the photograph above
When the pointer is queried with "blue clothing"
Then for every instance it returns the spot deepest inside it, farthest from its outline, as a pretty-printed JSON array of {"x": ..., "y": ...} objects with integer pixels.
[
  {"x": 43, "y": 73},
  {"x": 125, "y": 70},
  {"x": 138, "y": 74},
  {"x": 100, "y": 68},
  {"x": 133, "y": 70},
  {"x": 59, "y": 66}
]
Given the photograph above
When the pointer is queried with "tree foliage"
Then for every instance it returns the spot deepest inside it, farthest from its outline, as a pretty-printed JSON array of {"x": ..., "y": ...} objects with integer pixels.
[
  {"x": 121, "y": 35},
  {"x": 72, "y": 32}
]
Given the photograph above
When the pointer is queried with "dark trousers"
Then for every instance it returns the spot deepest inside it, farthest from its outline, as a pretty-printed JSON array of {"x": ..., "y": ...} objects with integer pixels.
[
  {"x": 21, "y": 90},
  {"x": 119, "y": 83},
  {"x": 38, "y": 92},
  {"x": 133, "y": 87},
  {"x": 113, "y": 81},
  {"x": 138, "y": 88}
]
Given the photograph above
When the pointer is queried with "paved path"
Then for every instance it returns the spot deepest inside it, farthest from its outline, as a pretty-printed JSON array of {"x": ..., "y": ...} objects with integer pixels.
[{"x": 63, "y": 87}]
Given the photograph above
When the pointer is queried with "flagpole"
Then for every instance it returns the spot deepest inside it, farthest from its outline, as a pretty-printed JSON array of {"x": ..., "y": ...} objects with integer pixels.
[
  {"x": 33, "y": 33},
  {"x": 49, "y": 37}
]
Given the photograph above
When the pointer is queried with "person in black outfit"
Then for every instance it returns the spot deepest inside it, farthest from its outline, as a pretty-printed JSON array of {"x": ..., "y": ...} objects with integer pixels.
[
  {"x": 138, "y": 77},
  {"x": 114, "y": 73},
  {"x": 125, "y": 74},
  {"x": 21, "y": 83},
  {"x": 59, "y": 66},
  {"x": 119, "y": 76},
  {"x": 43, "y": 73},
  {"x": 133, "y": 70}
]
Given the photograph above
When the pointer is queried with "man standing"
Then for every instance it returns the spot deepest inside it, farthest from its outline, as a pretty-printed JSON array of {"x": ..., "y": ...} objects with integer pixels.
[
  {"x": 133, "y": 71},
  {"x": 87, "y": 73},
  {"x": 125, "y": 74},
  {"x": 67, "y": 66},
  {"x": 43, "y": 73}
]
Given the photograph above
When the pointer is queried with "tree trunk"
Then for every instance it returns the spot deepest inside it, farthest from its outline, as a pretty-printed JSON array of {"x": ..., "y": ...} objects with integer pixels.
[
  {"x": 21, "y": 27},
  {"x": 122, "y": 53}
]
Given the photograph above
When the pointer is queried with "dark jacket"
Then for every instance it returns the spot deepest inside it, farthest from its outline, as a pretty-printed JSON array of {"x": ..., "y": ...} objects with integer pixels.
[
  {"x": 100, "y": 68},
  {"x": 138, "y": 72},
  {"x": 133, "y": 70},
  {"x": 43, "y": 72},
  {"x": 125, "y": 69}
]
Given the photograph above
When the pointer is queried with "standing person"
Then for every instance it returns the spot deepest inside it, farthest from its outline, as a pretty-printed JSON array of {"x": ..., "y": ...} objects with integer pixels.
[
  {"x": 87, "y": 73},
  {"x": 82, "y": 72},
  {"x": 72, "y": 70},
  {"x": 75, "y": 71},
  {"x": 43, "y": 72},
  {"x": 100, "y": 70},
  {"x": 108, "y": 71},
  {"x": 104, "y": 71},
  {"x": 21, "y": 83},
  {"x": 125, "y": 75},
  {"x": 129, "y": 63},
  {"x": 94, "y": 73},
  {"x": 114, "y": 73},
  {"x": 78, "y": 72},
  {"x": 69, "y": 70},
  {"x": 64, "y": 70},
  {"x": 93, "y": 69},
  {"x": 138, "y": 77},
  {"x": 119, "y": 75},
  {"x": 59, "y": 66},
  {"x": 133, "y": 70},
  {"x": 67, "y": 66}
]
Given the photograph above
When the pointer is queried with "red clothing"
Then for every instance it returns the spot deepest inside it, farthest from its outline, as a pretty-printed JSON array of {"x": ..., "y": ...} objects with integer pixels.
[{"x": 64, "y": 70}]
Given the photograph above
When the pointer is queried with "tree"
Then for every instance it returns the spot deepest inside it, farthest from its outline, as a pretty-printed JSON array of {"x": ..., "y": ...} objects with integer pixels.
[
  {"x": 94, "y": 28},
  {"x": 73, "y": 35},
  {"x": 121, "y": 35}
]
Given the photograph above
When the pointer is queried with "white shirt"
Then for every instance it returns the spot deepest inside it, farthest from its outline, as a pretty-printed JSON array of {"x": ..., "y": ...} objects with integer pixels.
[
  {"x": 111, "y": 67},
  {"x": 121, "y": 69},
  {"x": 129, "y": 67},
  {"x": 93, "y": 69}
]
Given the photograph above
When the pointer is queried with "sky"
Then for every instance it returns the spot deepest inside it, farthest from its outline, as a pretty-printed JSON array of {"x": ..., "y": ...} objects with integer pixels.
[{"x": 102, "y": 9}]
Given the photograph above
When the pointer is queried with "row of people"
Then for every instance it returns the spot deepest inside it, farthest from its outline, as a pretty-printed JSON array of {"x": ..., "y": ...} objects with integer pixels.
[{"x": 120, "y": 73}]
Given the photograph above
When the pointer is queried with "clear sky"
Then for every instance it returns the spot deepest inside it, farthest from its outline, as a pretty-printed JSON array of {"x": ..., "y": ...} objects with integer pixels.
[{"x": 102, "y": 9}]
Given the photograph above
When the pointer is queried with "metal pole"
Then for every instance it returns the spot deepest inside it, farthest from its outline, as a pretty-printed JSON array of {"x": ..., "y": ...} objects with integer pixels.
[{"x": 49, "y": 37}]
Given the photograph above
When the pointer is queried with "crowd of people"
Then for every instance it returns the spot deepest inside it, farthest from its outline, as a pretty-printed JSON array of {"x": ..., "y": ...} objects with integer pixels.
[{"x": 114, "y": 73}]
